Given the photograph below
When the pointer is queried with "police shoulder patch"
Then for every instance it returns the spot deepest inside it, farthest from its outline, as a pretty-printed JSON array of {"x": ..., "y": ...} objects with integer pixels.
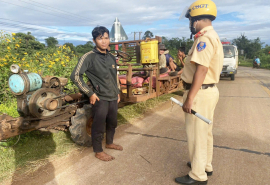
[{"x": 201, "y": 46}]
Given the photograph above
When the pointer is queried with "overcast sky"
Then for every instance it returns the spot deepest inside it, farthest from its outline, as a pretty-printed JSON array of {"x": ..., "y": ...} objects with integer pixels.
[{"x": 73, "y": 21}]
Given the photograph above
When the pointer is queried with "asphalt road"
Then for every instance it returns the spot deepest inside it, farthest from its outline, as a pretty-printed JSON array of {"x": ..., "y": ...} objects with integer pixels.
[{"x": 155, "y": 148}]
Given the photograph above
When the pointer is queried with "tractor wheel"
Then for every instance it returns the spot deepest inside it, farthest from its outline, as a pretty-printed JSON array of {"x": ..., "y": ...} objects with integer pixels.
[{"x": 80, "y": 128}]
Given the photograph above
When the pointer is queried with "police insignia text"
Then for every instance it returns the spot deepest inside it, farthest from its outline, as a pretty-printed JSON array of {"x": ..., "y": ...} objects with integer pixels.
[{"x": 200, "y": 6}]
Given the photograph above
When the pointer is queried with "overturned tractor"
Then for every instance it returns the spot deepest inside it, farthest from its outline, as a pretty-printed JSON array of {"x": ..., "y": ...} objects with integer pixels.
[{"x": 42, "y": 103}]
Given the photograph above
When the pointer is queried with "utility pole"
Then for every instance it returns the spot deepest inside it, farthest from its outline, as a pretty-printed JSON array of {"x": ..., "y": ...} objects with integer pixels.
[
  {"x": 135, "y": 34},
  {"x": 140, "y": 35}
]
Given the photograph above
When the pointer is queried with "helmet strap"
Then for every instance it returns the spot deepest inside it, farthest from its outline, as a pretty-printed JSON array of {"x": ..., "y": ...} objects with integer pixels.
[{"x": 193, "y": 28}]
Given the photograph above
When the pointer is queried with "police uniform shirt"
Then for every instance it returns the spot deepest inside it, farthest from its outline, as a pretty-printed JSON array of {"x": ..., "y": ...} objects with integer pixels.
[{"x": 207, "y": 50}]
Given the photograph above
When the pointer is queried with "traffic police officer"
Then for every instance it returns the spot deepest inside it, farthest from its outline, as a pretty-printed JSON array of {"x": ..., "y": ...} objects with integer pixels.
[{"x": 201, "y": 72}]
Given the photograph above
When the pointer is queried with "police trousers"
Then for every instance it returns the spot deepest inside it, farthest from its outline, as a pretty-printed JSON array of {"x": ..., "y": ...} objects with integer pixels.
[
  {"x": 104, "y": 120},
  {"x": 199, "y": 133}
]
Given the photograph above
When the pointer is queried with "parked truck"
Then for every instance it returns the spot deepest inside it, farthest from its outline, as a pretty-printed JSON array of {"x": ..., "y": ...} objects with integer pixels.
[{"x": 230, "y": 62}]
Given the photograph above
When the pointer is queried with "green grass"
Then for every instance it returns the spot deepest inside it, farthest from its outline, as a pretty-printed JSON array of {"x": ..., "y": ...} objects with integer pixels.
[
  {"x": 130, "y": 112},
  {"x": 246, "y": 63},
  {"x": 32, "y": 151},
  {"x": 9, "y": 108},
  {"x": 36, "y": 148},
  {"x": 249, "y": 63}
]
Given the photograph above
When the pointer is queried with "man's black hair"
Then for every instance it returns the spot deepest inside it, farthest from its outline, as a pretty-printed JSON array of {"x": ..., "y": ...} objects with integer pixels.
[
  {"x": 182, "y": 49},
  {"x": 99, "y": 30}
]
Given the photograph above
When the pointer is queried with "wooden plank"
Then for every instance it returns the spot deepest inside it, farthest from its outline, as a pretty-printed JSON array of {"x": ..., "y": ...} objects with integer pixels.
[
  {"x": 157, "y": 81},
  {"x": 168, "y": 77},
  {"x": 129, "y": 81},
  {"x": 150, "y": 82},
  {"x": 140, "y": 98},
  {"x": 136, "y": 69},
  {"x": 124, "y": 48},
  {"x": 126, "y": 42}
]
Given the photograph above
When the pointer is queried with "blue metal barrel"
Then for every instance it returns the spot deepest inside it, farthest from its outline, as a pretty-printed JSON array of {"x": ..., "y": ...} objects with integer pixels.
[
  {"x": 23, "y": 83},
  {"x": 35, "y": 81}
]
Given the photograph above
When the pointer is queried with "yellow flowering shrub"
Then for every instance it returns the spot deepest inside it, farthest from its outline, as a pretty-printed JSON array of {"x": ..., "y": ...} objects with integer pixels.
[{"x": 54, "y": 62}]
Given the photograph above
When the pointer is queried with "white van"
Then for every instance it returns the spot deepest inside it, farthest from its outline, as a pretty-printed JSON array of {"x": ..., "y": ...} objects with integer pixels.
[{"x": 230, "y": 62}]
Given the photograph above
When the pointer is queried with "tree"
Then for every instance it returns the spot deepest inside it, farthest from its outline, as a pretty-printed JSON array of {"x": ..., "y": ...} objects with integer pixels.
[
  {"x": 51, "y": 42},
  {"x": 28, "y": 43},
  {"x": 82, "y": 49},
  {"x": 174, "y": 43},
  {"x": 251, "y": 47},
  {"x": 148, "y": 34}
]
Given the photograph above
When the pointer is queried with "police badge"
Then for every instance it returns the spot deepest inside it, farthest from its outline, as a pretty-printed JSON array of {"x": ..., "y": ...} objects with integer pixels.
[{"x": 201, "y": 46}]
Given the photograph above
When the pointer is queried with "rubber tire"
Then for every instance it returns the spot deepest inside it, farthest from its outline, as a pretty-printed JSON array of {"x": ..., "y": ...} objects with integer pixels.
[
  {"x": 78, "y": 126},
  {"x": 232, "y": 77}
]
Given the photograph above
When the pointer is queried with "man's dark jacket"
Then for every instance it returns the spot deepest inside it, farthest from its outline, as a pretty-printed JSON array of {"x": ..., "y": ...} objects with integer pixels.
[{"x": 101, "y": 71}]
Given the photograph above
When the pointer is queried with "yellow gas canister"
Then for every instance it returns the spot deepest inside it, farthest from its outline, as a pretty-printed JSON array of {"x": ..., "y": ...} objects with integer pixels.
[{"x": 149, "y": 52}]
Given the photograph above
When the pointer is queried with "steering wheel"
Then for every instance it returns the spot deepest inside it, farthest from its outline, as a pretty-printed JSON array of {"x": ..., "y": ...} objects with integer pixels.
[{"x": 125, "y": 56}]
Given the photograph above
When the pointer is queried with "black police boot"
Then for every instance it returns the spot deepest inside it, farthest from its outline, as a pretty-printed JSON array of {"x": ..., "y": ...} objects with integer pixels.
[{"x": 188, "y": 180}]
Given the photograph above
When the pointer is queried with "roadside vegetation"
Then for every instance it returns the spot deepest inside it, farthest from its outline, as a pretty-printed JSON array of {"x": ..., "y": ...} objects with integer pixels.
[{"x": 251, "y": 49}]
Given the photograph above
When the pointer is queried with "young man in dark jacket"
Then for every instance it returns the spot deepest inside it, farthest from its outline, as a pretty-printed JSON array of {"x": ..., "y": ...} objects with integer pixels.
[{"x": 100, "y": 68}]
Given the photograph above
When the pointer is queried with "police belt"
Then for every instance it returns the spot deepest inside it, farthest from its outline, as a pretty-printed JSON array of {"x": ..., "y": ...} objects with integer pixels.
[{"x": 187, "y": 86}]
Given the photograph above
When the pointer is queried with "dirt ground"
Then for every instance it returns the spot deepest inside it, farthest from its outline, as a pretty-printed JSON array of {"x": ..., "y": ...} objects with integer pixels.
[{"x": 155, "y": 147}]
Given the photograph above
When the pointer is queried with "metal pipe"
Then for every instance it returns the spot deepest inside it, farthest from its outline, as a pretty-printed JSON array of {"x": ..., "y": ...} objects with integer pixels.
[{"x": 72, "y": 97}]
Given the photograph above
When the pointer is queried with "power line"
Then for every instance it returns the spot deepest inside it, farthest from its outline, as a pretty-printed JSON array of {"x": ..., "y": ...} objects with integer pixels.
[
  {"x": 15, "y": 25},
  {"x": 51, "y": 10},
  {"x": 34, "y": 29},
  {"x": 24, "y": 28},
  {"x": 33, "y": 24},
  {"x": 30, "y": 8},
  {"x": 33, "y": 9},
  {"x": 61, "y": 10}
]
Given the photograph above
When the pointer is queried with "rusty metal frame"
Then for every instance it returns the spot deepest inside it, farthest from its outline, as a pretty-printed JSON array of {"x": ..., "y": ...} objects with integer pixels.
[
  {"x": 163, "y": 85},
  {"x": 10, "y": 127}
]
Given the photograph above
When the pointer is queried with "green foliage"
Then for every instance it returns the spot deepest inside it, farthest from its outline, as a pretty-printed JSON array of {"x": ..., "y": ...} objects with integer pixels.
[
  {"x": 71, "y": 46},
  {"x": 51, "y": 42},
  {"x": 82, "y": 49},
  {"x": 245, "y": 62},
  {"x": 9, "y": 108},
  {"x": 58, "y": 61},
  {"x": 264, "y": 58},
  {"x": 174, "y": 43},
  {"x": 251, "y": 47},
  {"x": 28, "y": 44},
  {"x": 266, "y": 50},
  {"x": 148, "y": 34}
]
